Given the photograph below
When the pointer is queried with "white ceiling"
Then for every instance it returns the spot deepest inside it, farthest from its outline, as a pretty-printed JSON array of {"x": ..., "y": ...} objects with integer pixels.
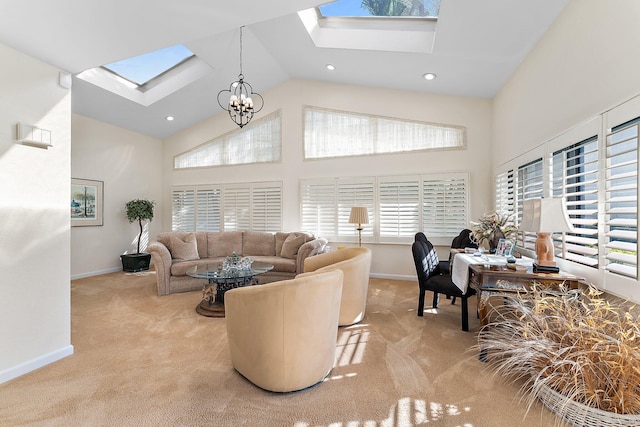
[{"x": 478, "y": 45}]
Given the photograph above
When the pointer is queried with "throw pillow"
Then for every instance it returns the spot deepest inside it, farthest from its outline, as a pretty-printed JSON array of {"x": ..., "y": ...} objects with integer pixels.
[
  {"x": 291, "y": 245},
  {"x": 184, "y": 250}
]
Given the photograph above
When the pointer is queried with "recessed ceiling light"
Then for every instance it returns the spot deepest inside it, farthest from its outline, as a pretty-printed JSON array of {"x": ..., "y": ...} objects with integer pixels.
[
  {"x": 169, "y": 118},
  {"x": 330, "y": 67},
  {"x": 429, "y": 76}
]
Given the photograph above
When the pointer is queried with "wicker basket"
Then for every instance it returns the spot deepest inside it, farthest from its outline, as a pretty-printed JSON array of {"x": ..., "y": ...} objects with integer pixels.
[{"x": 581, "y": 415}]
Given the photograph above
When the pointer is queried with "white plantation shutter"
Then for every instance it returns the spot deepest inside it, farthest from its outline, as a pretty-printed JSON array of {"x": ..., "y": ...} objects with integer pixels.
[
  {"x": 444, "y": 204},
  {"x": 183, "y": 215},
  {"x": 575, "y": 179},
  {"x": 318, "y": 204},
  {"x": 266, "y": 207},
  {"x": 237, "y": 207},
  {"x": 355, "y": 192},
  {"x": 530, "y": 186},
  {"x": 399, "y": 208},
  {"x": 208, "y": 209},
  {"x": 621, "y": 202},
  {"x": 505, "y": 192},
  {"x": 255, "y": 206}
]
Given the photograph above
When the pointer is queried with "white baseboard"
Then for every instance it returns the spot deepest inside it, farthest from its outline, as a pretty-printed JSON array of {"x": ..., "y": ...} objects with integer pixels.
[
  {"x": 95, "y": 273},
  {"x": 393, "y": 277},
  {"x": 33, "y": 364}
]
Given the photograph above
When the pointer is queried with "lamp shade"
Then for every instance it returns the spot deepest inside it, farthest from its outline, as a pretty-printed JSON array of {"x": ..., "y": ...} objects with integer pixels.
[
  {"x": 359, "y": 215},
  {"x": 545, "y": 215}
]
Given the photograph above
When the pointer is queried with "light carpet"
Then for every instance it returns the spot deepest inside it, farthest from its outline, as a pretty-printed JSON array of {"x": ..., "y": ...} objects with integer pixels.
[{"x": 145, "y": 360}]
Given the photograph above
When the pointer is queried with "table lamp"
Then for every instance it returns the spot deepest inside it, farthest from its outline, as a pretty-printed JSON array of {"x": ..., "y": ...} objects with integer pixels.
[
  {"x": 359, "y": 215},
  {"x": 545, "y": 216}
]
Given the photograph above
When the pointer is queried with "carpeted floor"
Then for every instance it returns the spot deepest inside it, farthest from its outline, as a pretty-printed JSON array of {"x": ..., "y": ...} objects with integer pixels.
[{"x": 144, "y": 360}]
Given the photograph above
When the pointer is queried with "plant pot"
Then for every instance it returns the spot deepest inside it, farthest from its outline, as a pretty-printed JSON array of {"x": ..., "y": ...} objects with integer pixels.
[{"x": 135, "y": 262}]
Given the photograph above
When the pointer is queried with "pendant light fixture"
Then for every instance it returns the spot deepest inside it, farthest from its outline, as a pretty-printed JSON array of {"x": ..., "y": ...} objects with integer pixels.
[{"x": 240, "y": 101}]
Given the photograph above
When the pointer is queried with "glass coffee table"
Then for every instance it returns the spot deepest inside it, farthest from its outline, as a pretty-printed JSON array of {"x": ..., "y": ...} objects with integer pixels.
[{"x": 221, "y": 280}]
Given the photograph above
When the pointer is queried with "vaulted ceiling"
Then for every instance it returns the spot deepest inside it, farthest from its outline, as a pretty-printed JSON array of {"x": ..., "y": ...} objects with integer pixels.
[{"x": 476, "y": 47}]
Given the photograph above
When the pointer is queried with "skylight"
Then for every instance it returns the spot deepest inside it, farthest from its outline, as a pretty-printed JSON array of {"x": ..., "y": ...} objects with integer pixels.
[
  {"x": 150, "y": 77},
  {"x": 394, "y": 8},
  {"x": 143, "y": 68}
]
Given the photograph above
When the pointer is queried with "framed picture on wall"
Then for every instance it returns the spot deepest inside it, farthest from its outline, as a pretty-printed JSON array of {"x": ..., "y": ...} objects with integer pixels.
[{"x": 86, "y": 202}]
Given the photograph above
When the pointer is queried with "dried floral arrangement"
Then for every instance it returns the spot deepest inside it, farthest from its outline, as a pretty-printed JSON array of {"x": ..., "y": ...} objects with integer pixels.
[
  {"x": 493, "y": 224},
  {"x": 581, "y": 346}
]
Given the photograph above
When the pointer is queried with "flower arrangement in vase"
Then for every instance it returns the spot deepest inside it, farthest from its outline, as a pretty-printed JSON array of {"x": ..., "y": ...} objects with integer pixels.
[{"x": 492, "y": 227}]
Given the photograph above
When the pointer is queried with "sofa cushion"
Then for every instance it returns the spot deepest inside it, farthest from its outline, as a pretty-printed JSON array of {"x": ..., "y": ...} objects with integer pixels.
[
  {"x": 282, "y": 236},
  {"x": 291, "y": 245},
  {"x": 258, "y": 243},
  {"x": 201, "y": 240},
  {"x": 224, "y": 243},
  {"x": 184, "y": 249}
]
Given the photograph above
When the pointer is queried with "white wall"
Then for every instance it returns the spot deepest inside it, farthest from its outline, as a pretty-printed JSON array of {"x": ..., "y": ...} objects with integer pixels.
[
  {"x": 34, "y": 218},
  {"x": 583, "y": 66},
  {"x": 388, "y": 260},
  {"x": 129, "y": 165}
]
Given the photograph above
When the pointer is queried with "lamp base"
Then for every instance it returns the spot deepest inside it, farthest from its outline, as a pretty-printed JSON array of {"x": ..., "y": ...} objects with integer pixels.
[{"x": 537, "y": 268}]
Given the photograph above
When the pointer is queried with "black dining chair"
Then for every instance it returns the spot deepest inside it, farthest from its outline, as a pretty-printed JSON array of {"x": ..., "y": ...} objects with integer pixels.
[{"x": 432, "y": 277}]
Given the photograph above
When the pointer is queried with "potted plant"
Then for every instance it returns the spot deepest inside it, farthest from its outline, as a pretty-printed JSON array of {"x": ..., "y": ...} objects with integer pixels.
[
  {"x": 138, "y": 210},
  {"x": 576, "y": 352}
]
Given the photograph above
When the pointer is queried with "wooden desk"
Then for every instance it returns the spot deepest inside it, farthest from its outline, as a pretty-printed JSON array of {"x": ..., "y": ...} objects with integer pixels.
[{"x": 497, "y": 280}]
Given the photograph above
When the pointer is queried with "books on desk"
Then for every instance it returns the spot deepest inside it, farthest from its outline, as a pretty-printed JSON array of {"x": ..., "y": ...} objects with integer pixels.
[
  {"x": 516, "y": 267},
  {"x": 545, "y": 268}
]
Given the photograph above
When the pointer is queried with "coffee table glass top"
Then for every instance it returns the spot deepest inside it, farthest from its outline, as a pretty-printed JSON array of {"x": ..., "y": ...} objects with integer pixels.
[{"x": 214, "y": 271}]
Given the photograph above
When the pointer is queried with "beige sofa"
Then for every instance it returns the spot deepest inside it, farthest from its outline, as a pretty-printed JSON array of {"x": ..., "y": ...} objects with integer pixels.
[
  {"x": 282, "y": 336},
  {"x": 355, "y": 263},
  {"x": 175, "y": 253}
]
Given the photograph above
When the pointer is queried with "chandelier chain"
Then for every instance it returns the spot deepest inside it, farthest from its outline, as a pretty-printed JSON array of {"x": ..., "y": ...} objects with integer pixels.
[{"x": 241, "y": 49}]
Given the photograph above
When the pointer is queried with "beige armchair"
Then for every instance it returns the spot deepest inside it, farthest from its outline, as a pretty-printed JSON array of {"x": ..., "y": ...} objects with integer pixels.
[
  {"x": 355, "y": 263},
  {"x": 282, "y": 335}
]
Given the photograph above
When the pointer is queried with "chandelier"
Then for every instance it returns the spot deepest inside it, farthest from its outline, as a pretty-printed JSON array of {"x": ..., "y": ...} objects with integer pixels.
[{"x": 240, "y": 95}]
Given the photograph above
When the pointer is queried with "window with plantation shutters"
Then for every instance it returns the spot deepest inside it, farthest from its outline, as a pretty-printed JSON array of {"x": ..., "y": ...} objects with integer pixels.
[
  {"x": 355, "y": 192},
  {"x": 318, "y": 203},
  {"x": 444, "y": 204},
  {"x": 258, "y": 142},
  {"x": 621, "y": 199},
  {"x": 183, "y": 214},
  {"x": 228, "y": 207},
  {"x": 237, "y": 206},
  {"x": 530, "y": 186},
  {"x": 208, "y": 209},
  {"x": 575, "y": 179},
  {"x": 505, "y": 192},
  {"x": 399, "y": 209},
  {"x": 398, "y": 206},
  {"x": 266, "y": 207}
]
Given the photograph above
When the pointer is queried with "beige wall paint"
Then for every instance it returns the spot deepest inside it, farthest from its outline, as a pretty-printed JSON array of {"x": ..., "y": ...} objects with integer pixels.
[
  {"x": 388, "y": 260},
  {"x": 34, "y": 218},
  {"x": 129, "y": 165},
  {"x": 585, "y": 65}
]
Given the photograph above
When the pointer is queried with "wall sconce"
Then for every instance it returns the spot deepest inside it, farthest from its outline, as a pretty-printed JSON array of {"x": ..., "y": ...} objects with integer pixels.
[{"x": 33, "y": 135}]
